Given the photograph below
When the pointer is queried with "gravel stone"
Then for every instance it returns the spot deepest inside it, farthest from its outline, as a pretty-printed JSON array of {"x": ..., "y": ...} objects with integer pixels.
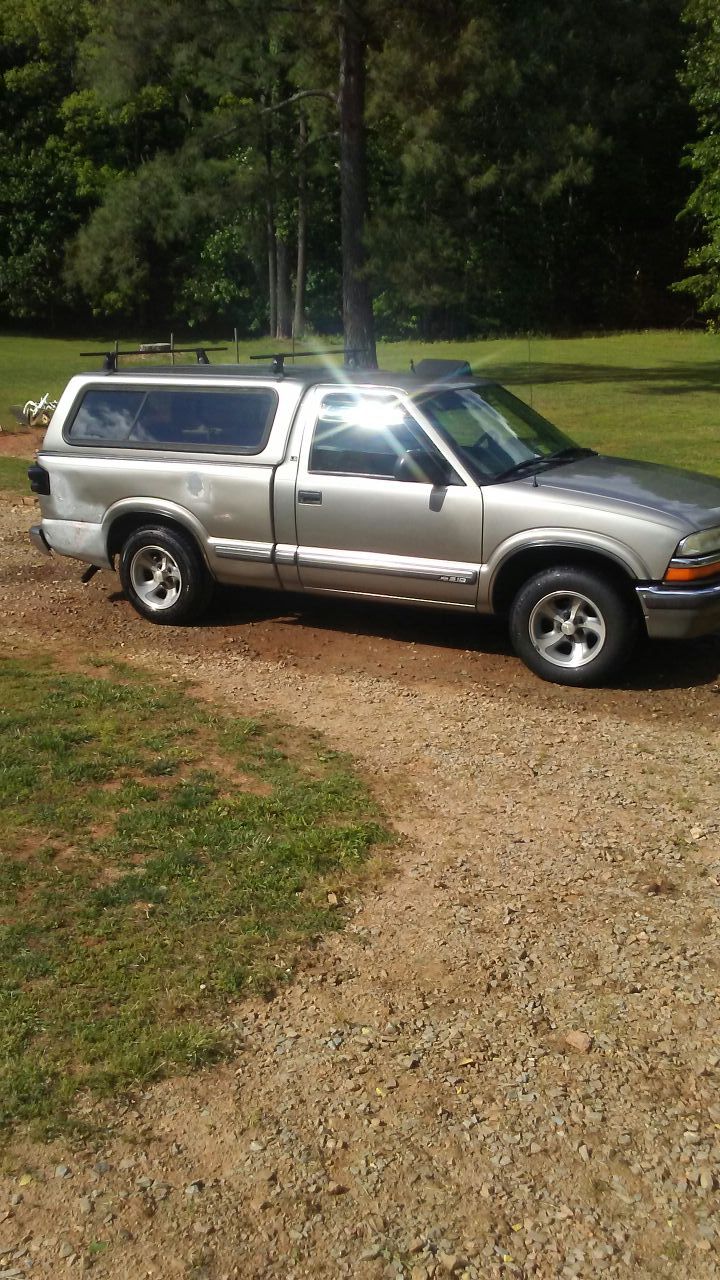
[{"x": 536, "y": 975}]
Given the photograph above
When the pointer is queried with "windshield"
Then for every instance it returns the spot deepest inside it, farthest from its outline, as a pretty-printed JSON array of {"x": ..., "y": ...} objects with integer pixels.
[{"x": 494, "y": 433}]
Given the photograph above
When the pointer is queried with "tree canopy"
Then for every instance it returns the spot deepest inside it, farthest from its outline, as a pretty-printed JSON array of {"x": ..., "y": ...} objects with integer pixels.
[
  {"x": 473, "y": 168},
  {"x": 702, "y": 78}
]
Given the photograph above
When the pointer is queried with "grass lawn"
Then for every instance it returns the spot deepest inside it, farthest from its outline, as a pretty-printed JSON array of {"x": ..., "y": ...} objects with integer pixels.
[
  {"x": 14, "y": 475},
  {"x": 645, "y": 395},
  {"x": 653, "y": 396},
  {"x": 159, "y": 861}
]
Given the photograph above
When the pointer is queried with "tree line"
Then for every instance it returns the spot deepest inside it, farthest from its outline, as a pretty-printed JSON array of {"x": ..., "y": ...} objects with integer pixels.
[{"x": 434, "y": 169}]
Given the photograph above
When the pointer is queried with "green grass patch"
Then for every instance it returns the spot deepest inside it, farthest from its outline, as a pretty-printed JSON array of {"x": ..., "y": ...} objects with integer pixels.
[
  {"x": 31, "y": 366},
  {"x": 652, "y": 396},
  {"x": 159, "y": 862},
  {"x": 645, "y": 395},
  {"x": 14, "y": 475}
]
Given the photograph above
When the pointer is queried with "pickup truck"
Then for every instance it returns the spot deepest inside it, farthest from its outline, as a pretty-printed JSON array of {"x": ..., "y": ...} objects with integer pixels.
[{"x": 434, "y": 488}]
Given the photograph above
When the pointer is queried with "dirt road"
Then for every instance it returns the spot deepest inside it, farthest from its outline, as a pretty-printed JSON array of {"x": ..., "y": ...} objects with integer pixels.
[{"x": 508, "y": 1063}]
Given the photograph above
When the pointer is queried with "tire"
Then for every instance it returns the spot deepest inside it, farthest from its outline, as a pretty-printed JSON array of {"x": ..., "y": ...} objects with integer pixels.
[
  {"x": 164, "y": 576},
  {"x": 604, "y": 626}
]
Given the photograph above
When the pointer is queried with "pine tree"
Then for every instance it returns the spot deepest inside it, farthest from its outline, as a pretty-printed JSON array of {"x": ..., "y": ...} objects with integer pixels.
[{"x": 702, "y": 77}]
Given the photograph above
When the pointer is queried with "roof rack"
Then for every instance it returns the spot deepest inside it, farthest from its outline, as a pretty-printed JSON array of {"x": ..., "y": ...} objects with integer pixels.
[
  {"x": 278, "y": 358},
  {"x": 110, "y": 358}
]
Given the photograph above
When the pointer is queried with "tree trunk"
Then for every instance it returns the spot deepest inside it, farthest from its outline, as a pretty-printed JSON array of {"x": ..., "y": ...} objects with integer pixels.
[
  {"x": 284, "y": 291},
  {"x": 272, "y": 269},
  {"x": 301, "y": 269},
  {"x": 270, "y": 229},
  {"x": 358, "y": 322}
]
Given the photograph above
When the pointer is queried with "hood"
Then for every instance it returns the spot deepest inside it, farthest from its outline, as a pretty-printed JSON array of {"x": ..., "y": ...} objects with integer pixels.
[{"x": 681, "y": 495}]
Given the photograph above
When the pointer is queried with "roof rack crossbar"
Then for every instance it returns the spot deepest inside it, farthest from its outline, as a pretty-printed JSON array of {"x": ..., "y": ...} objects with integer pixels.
[
  {"x": 110, "y": 358},
  {"x": 278, "y": 358}
]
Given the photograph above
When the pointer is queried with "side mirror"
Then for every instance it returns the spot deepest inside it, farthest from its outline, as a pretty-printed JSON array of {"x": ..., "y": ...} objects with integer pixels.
[{"x": 420, "y": 467}]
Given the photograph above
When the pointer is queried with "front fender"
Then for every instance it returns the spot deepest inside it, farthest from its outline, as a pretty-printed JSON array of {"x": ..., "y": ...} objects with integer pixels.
[{"x": 561, "y": 540}]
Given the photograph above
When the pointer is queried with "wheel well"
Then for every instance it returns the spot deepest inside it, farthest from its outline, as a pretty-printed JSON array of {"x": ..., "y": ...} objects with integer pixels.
[
  {"x": 525, "y": 564},
  {"x": 124, "y": 525}
]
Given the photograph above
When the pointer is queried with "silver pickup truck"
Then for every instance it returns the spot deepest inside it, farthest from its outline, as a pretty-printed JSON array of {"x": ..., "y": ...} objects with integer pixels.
[{"x": 436, "y": 488}]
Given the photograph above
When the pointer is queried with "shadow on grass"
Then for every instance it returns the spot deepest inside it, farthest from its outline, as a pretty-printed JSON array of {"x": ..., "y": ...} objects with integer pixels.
[
  {"x": 655, "y": 666},
  {"x": 675, "y": 377}
]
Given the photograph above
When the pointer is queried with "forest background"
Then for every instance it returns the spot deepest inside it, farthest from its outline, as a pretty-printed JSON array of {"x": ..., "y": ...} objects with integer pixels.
[{"x": 476, "y": 167}]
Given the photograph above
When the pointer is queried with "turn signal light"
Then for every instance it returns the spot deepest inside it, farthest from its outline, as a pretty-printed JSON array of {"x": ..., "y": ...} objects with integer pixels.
[{"x": 692, "y": 573}]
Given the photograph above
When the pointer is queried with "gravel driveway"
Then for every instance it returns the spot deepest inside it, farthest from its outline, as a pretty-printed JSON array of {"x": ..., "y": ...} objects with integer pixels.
[{"x": 508, "y": 1063}]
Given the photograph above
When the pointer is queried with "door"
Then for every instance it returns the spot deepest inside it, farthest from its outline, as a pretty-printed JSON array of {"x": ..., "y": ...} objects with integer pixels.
[{"x": 380, "y": 510}]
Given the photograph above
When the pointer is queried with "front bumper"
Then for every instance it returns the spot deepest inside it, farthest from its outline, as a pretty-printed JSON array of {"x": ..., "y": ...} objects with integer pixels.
[{"x": 677, "y": 613}]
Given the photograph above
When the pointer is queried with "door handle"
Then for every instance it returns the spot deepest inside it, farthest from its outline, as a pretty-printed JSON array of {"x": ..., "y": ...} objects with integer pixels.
[{"x": 310, "y": 497}]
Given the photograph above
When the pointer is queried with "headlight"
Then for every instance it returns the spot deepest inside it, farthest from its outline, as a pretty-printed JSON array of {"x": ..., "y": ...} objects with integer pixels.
[
  {"x": 697, "y": 558},
  {"x": 700, "y": 544}
]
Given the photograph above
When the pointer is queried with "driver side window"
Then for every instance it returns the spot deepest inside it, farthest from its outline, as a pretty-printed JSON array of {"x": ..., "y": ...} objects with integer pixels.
[{"x": 360, "y": 435}]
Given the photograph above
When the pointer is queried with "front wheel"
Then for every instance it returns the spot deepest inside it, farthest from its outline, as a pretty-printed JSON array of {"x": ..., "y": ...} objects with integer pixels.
[
  {"x": 163, "y": 575},
  {"x": 572, "y": 626}
]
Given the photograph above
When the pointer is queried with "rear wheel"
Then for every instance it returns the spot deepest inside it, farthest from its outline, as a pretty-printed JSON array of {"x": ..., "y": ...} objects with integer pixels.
[
  {"x": 163, "y": 575},
  {"x": 572, "y": 626}
]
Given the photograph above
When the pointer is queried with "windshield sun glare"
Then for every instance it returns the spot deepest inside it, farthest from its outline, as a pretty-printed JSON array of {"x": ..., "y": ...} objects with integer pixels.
[{"x": 492, "y": 431}]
